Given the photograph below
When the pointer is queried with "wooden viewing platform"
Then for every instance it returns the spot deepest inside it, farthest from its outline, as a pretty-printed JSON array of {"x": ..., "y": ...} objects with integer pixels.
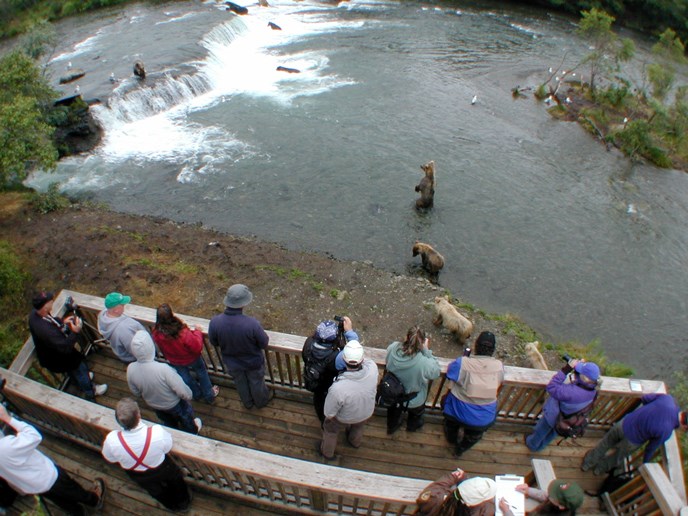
[{"x": 264, "y": 460}]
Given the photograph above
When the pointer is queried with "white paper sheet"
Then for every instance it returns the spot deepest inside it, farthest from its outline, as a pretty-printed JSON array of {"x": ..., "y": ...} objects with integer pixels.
[{"x": 506, "y": 488}]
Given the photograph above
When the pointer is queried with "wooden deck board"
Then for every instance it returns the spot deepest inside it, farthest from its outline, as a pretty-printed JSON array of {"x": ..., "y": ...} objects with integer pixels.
[{"x": 289, "y": 426}]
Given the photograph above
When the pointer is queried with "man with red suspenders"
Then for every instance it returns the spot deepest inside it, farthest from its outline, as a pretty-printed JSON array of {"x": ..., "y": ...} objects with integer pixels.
[{"x": 141, "y": 451}]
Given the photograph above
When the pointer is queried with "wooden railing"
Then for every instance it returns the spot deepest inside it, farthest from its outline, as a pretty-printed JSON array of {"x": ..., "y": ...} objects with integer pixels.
[
  {"x": 251, "y": 475},
  {"x": 520, "y": 400},
  {"x": 650, "y": 493}
]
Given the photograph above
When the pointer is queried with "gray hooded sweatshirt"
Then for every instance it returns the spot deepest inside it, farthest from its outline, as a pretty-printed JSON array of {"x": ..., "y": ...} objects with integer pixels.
[
  {"x": 119, "y": 331},
  {"x": 351, "y": 399},
  {"x": 158, "y": 384}
]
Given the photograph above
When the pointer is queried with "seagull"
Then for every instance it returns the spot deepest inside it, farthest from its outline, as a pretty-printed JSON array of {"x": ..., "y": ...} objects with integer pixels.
[
  {"x": 549, "y": 70},
  {"x": 474, "y": 99},
  {"x": 69, "y": 65},
  {"x": 113, "y": 79},
  {"x": 625, "y": 120},
  {"x": 568, "y": 100},
  {"x": 548, "y": 100},
  {"x": 77, "y": 90}
]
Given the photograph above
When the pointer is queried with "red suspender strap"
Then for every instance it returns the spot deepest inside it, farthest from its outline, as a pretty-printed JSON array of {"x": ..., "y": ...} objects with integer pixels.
[{"x": 139, "y": 460}]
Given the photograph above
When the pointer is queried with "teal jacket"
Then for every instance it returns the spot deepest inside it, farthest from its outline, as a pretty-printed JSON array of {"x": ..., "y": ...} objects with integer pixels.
[{"x": 414, "y": 371}]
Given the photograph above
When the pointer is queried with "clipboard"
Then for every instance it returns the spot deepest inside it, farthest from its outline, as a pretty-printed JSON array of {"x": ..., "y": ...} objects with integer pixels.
[{"x": 506, "y": 488}]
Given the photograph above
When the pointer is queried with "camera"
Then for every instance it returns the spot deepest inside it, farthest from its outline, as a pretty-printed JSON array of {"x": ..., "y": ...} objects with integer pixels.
[
  {"x": 70, "y": 305},
  {"x": 338, "y": 318},
  {"x": 467, "y": 352},
  {"x": 566, "y": 358}
]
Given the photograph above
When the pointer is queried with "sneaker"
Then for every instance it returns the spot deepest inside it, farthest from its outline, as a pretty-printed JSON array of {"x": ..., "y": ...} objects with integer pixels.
[
  {"x": 91, "y": 376},
  {"x": 100, "y": 389},
  {"x": 99, "y": 491},
  {"x": 199, "y": 424},
  {"x": 216, "y": 391}
]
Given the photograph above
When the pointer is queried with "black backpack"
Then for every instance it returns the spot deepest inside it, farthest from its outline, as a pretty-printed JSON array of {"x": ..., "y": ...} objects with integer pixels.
[
  {"x": 315, "y": 361},
  {"x": 573, "y": 425},
  {"x": 390, "y": 391}
]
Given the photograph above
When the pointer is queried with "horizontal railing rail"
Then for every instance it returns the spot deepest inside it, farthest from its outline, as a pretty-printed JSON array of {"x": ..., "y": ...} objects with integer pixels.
[
  {"x": 255, "y": 476},
  {"x": 520, "y": 399},
  {"x": 649, "y": 493}
]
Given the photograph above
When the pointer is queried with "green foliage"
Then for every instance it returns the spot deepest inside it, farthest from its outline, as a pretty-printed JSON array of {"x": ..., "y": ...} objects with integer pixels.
[
  {"x": 13, "y": 283},
  {"x": 52, "y": 200},
  {"x": 38, "y": 39},
  {"x": 636, "y": 140},
  {"x": 25, "y": 135},
  {"x": 661, "y": 78},
  {"x": 614, "y": 95},
  {"x": 593, "y": 352},
  {"x": 670, "y": 46}
]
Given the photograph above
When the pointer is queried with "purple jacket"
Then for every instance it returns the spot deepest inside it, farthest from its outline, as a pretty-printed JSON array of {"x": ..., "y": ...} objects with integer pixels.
[
  {"x": 653, "y": 422},
  {"x": 241, "y": 338},
  {"x": 568, "y": 398}
]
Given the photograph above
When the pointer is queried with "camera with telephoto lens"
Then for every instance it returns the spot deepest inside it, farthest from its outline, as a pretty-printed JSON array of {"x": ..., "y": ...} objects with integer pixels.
[
  {"x": 70, "y": 305},
  {"x": 566, "y": 358}
]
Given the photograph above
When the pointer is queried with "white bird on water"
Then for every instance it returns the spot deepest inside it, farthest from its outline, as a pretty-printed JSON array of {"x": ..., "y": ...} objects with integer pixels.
[
  {"x": 69, "y": 65},
  {"x": 113, "y": 79},
  {"x": 77, "y": 90},
  {"x": 474, "y": 100}
]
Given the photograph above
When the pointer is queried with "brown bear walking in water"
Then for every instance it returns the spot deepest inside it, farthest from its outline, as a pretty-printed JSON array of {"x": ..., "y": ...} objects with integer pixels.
[
  {"x": 447, "y": 315},
  {"x": 432, "y": 260},
  {"x": 139, "y": 70},
  {"x": 426, "y": 187}
]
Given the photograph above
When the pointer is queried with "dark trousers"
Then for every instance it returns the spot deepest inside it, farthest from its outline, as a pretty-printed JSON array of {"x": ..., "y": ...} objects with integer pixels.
[
  {"x": 80, "y": 377},
  {"x": 7, "y": 494},
  {"x": 251, "y": 386},
  {"x": 165, "y": 483},
  {"x": 319, "y": 396},
  {"x": 68, "y": 495},
  {"x": 395, "y": 417},
  {"x": 180, "y": 416},
  {"x": 471, "y": 434}
]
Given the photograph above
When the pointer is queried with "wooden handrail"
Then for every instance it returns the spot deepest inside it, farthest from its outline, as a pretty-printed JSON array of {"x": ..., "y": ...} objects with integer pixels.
[
  {"x": 520, "y": 400},
  {"x": 224, "y": 468}
]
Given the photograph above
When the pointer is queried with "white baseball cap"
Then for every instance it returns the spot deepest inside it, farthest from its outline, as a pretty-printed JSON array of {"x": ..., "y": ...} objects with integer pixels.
[{"x": 353, "y": 352}]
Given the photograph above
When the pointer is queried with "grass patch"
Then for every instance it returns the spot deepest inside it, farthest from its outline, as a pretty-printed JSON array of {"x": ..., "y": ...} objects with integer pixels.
[{"x": 294, "y": 275}]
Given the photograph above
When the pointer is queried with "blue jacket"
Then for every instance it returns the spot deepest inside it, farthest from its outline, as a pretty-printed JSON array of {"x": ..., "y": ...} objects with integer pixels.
[
  {"x": 653, "y": 422},
  {"x": 469, "y": 414},
  {"x": 568, "y": 398},
  {"x": 241, "y": 338}
]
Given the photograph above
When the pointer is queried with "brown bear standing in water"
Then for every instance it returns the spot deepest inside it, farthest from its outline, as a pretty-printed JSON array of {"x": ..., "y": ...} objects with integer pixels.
[
  {"x": 426, "y": 187},
  {"x": 432, "y": 260},
  {"x": 139, "y": 70},
  {"x": 447, "y": 315}
]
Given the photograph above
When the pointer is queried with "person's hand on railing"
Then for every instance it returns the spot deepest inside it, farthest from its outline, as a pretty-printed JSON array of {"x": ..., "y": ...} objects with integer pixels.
[{"x": 4, "y": 415}]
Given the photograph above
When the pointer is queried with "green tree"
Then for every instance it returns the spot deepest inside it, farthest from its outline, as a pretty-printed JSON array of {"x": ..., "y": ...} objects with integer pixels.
[
  {"x": 608, "y": 51},
  {"x": 25, "y": 103}
]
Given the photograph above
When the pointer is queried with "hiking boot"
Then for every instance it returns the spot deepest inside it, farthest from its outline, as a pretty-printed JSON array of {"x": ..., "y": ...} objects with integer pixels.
[
  {"x": 100, "y": 389},
  {"x": 199, "y": 424}
]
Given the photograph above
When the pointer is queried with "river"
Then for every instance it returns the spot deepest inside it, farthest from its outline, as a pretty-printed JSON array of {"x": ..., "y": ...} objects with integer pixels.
[{"x": 532, "y": 215}]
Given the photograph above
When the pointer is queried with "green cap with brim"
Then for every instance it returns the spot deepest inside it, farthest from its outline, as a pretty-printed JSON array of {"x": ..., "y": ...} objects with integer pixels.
[
  {"x": 115, "y": 298},
  {"x": 568, "y": 494}
]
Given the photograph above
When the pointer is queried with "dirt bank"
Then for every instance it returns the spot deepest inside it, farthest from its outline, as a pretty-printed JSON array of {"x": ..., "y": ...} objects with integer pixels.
[{"x": 96, "y": 251}]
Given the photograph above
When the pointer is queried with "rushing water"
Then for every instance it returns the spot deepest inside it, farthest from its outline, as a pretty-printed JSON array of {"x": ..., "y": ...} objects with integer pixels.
[{"x": 532, "y": 215}]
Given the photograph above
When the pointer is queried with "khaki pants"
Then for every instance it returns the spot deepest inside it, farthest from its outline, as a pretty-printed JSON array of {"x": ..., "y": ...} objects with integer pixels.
[{"x": 331, "y": 428}]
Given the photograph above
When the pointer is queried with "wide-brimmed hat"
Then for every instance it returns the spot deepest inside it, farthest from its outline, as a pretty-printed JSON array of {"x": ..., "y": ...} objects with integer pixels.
[
  {"x": 353, "y": 353},
  {"x": 477, "y": 490},
  {"x": 41, "y": 298},
  {"x": 115, "y": 298},
  {"x": 565, "y": 493},
  {"x": 238, "y": 296}
]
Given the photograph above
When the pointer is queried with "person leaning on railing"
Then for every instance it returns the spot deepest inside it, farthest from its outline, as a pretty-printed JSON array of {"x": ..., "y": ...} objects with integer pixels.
[
  {"x": 141, "y": 450},
  {"x": 652, "y": 423},
  {"x": 455, "y": 494},
  {"x": 413, "y": 363}
]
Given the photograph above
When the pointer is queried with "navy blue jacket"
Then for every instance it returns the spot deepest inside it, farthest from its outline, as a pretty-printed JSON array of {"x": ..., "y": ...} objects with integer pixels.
[
  {"x": 55, "y": 349},
  {"x": 241, "y": 339}
]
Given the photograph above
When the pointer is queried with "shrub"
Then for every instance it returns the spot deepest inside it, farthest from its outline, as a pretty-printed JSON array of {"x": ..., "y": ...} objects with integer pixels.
[{"x": 52, "y": 200}]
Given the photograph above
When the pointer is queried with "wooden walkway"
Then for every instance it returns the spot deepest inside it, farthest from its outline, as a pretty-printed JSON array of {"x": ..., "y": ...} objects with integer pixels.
[{"x": 288, "y": 426}]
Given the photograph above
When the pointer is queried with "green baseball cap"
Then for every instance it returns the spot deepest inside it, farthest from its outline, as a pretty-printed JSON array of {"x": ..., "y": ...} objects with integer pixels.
[
  {"x": 115, "y": 298},
  {"x": 568, "y": 494}
]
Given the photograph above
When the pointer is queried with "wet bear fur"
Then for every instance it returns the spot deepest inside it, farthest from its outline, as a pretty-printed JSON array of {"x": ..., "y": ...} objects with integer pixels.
[
  {"x": 432, "y": 260},
  {"x": 139, "y": 70},
  {"x": 426, "y": 187},
  {"x": 447, "y": 315}
]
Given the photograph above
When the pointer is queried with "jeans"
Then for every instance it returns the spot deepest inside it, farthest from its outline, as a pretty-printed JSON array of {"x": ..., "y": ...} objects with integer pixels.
[
  {"x": 471, "y": 434},
  {"x": 180, "y": 416},
  {"x": 201, "y": 386},
  {"x": 251, "y": 386},
  {"x": 80, "y": 377},
  {"x": 395, "y": 418},
  {"x": 542, "y": 435},
  {"x": 598, "y": 459},
  {"x": 69, "y": 495}
]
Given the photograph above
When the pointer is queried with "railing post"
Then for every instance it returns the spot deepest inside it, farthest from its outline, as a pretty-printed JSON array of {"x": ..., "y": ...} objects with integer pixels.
[{"x": 662, "y": 490}]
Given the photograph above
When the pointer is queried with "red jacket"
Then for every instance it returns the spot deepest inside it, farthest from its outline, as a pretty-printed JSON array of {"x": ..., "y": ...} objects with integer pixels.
[{"x": 182, "y": 350}]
